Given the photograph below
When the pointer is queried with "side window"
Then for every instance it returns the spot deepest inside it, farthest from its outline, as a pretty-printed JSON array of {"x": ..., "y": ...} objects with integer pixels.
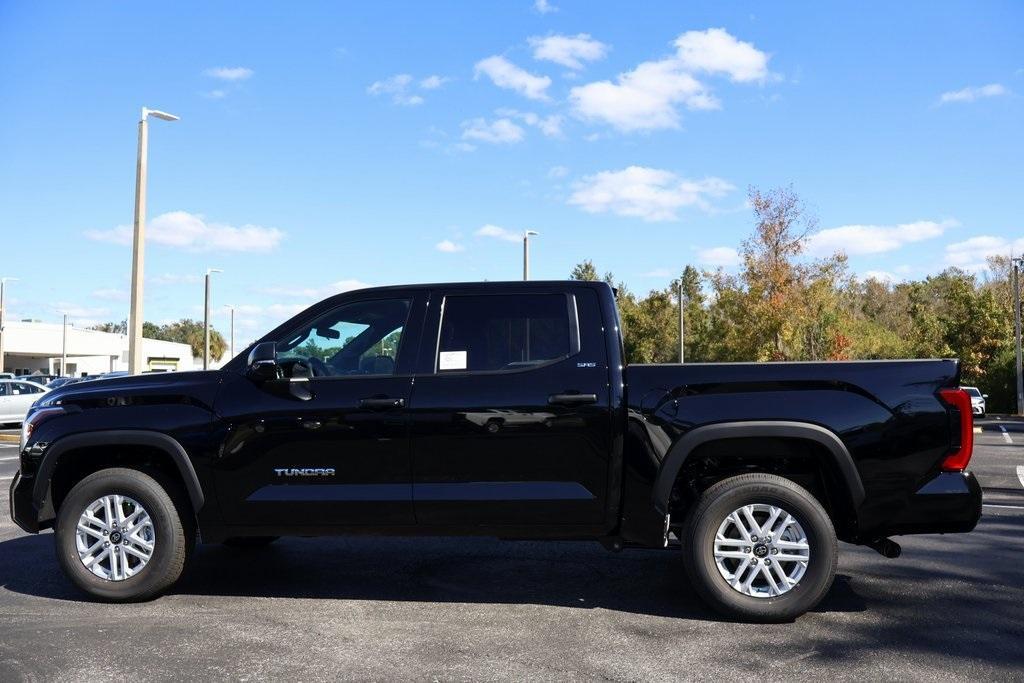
[
  {"x": 359, "y": 338},
  {"x": 20, "y": 388},
  {"x": 3, "y": 388},
  {"x": 503, "y": 332}
]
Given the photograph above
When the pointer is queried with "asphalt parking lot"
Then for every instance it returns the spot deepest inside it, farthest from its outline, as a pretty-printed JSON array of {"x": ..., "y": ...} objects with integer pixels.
[{"x": 480, "y": 609}]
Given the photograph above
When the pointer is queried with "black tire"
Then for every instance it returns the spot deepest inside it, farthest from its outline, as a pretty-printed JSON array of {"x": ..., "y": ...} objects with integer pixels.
[
  {"x": 716, "y": 504},
  {"x": 173, "y": 526},
  {"x": 249, "y": 541}
]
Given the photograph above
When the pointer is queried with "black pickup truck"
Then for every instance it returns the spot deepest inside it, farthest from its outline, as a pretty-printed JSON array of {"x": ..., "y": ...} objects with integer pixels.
[{"x": 500, "y": 409}]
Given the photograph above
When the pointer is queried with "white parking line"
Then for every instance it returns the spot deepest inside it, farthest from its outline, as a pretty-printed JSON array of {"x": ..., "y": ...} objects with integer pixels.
[
  {"x": 1006, "y": 435},
  {"x": 1020, "y": 474},
  {"x": 7, "y": 478},
  {"x": 9, "y": 457}
]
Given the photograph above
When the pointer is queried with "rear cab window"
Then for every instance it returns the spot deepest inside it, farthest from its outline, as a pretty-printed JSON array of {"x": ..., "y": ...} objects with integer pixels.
[{"x": 505, "y": 332}]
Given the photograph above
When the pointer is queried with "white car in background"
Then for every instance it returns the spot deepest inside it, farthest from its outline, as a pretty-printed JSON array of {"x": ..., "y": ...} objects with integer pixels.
[
  {"x": 977, "y": 400},
  {"x": 16, "y": 396}
]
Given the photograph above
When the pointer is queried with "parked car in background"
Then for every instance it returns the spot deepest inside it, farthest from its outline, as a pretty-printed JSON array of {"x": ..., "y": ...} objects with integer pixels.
[
  {"x": 63, "y": 381},
  {"x": 39, "y": 378},
  {"x": 16, "y": 398},
  {"x": 6, "y": 375},
  {"x": 977, "y": 400}
]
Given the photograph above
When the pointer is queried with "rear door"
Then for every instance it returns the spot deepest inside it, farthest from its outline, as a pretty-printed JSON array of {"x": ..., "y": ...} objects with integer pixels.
[{"x": 510, "y": 413}]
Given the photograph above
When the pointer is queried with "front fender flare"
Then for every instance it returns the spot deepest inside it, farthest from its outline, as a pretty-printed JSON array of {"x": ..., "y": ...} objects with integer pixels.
[
  {"x": 118, "y": 437},
  {"x": 681, "y": 450}
]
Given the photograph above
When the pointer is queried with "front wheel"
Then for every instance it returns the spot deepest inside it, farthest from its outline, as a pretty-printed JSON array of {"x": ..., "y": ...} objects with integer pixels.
[
  {"x": 120, "y": 536},
  {"x": 758, "y": 547}
]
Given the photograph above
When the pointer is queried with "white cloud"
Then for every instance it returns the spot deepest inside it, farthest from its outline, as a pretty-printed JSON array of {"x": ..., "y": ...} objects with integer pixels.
[
  {"x": 397, "y": 87},
  {"x": 642, "y": 99},
  {"x": 229, "y": 73},
  {"x": 970, "y": 94},
  {"x": 433, "y": 82},
  {"x": 550, "y": 126},
  {"x": 215, "y": 94},
  {"x": 81, "y": 316},
  {"x": 719, "y": 256},
  {"x": 544, "y": 7},
  {"x": 449, "y": 247},
  {"x": 715, "y": 51},
  {"x": 880, "y": 275},
  {"x": 190, "y": 231},
  {"x": 500, "y": 131},
  {"x": 505, "y": 74},
  {"x": 497, "y": 232},
  {"x": 970, "y": 254},
  {"x": 648, "y": 193},
  {"x": 569, "y": 51},
  {"x": 110, "y": 294},
  {"x": 648, "y": 97},
  {"x": 874, "y": 239},
  {"x": 175, "y": 279},
  {"x": 558, "y": 172},
  {"x": 316, "y": 293}
]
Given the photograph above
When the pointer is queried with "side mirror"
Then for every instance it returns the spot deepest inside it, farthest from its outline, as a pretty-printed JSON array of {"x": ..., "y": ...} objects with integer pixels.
[
  {"x": 984, "y": 395},
  {"x": 262, "y": 363}
]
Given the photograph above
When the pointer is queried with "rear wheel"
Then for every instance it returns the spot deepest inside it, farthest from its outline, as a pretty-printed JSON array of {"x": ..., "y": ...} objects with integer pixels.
[
  {"x": 120, "y": 536},
  {"x": 758, "y": 547}
]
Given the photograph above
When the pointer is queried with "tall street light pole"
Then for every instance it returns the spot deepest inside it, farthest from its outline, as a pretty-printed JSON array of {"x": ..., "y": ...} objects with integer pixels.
[
  {"x": 206, "y": 318},
  {"x": 232, "y": 347},
  {"x": 3, "y": 315},
  {"x": 682, "y": 330},
  {"x": 139, "y": 242},
  {"x": 1017, "y": 264},
  {"x": 526, "y": 252},
  {"x": 64, "y": 349}
]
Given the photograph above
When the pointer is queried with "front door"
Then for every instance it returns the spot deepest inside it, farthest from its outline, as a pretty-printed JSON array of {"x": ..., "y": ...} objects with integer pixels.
[
  {"x": 326, "y": 445},
  {"x": 510, "y": 410}
]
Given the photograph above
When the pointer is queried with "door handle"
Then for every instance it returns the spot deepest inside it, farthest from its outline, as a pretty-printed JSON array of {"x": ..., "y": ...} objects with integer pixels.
[
  {"x": 572, "y": 399},
  {"x": 381, "y": 403}
]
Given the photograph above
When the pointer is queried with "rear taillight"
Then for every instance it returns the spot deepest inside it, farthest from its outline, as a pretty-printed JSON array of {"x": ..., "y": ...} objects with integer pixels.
[{"x": 957, "y": 459}]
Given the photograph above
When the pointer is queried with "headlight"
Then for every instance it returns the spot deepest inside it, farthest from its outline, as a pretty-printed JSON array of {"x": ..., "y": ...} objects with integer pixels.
[{"x": 35, "y": 417}]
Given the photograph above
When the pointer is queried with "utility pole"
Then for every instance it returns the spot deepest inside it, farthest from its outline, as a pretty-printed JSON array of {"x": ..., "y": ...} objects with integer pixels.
[
  {"x": 206, "y": 318},
  {"x": 682, "y": 329},
  {"x": 3, "y": 315},
  {"x": 1017, "y": 263},
  {"x": 139, "y": 242},
  {"x": 64, "y": 349},
  {"x": 526, "y": 252}
]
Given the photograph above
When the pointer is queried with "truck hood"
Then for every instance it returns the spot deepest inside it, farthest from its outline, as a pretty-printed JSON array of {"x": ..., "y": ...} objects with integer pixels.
[{"x": 199, "y": 385}]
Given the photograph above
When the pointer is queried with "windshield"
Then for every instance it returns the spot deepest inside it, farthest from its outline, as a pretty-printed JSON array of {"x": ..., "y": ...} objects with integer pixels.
[{"x": 973, "y": 391}]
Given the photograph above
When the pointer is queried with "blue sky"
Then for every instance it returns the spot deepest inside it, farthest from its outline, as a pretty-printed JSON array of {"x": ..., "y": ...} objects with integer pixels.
[{"x": 323, "y": 145}]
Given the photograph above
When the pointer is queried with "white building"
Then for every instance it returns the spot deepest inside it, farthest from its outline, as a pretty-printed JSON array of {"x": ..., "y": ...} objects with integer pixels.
[{"x": 32, "y": 346}]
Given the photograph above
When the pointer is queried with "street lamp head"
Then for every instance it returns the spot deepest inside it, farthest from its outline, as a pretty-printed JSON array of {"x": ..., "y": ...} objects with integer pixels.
[
  {"x": 209, "y": 271},
  {"x": 532, "y": 233},
  {"x": 159, "y": 114},
  {"x": 8, "y": 279}
]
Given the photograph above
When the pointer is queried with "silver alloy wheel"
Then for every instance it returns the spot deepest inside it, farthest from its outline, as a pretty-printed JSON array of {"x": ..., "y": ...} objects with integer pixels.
[
  {"x": 115, "y": 537},
  {"x": 761, "y": 550}
]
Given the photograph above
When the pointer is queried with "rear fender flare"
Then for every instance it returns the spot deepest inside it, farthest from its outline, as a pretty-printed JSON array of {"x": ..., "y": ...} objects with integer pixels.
[
  {"x": 119, "y": 437},
  {"x": 681, "y": 450}
]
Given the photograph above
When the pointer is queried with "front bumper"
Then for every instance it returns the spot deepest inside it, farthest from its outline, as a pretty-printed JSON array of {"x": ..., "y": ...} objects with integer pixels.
[
  {"x": 946, "y": 504},
  {"x": 977, "y": 408}
]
